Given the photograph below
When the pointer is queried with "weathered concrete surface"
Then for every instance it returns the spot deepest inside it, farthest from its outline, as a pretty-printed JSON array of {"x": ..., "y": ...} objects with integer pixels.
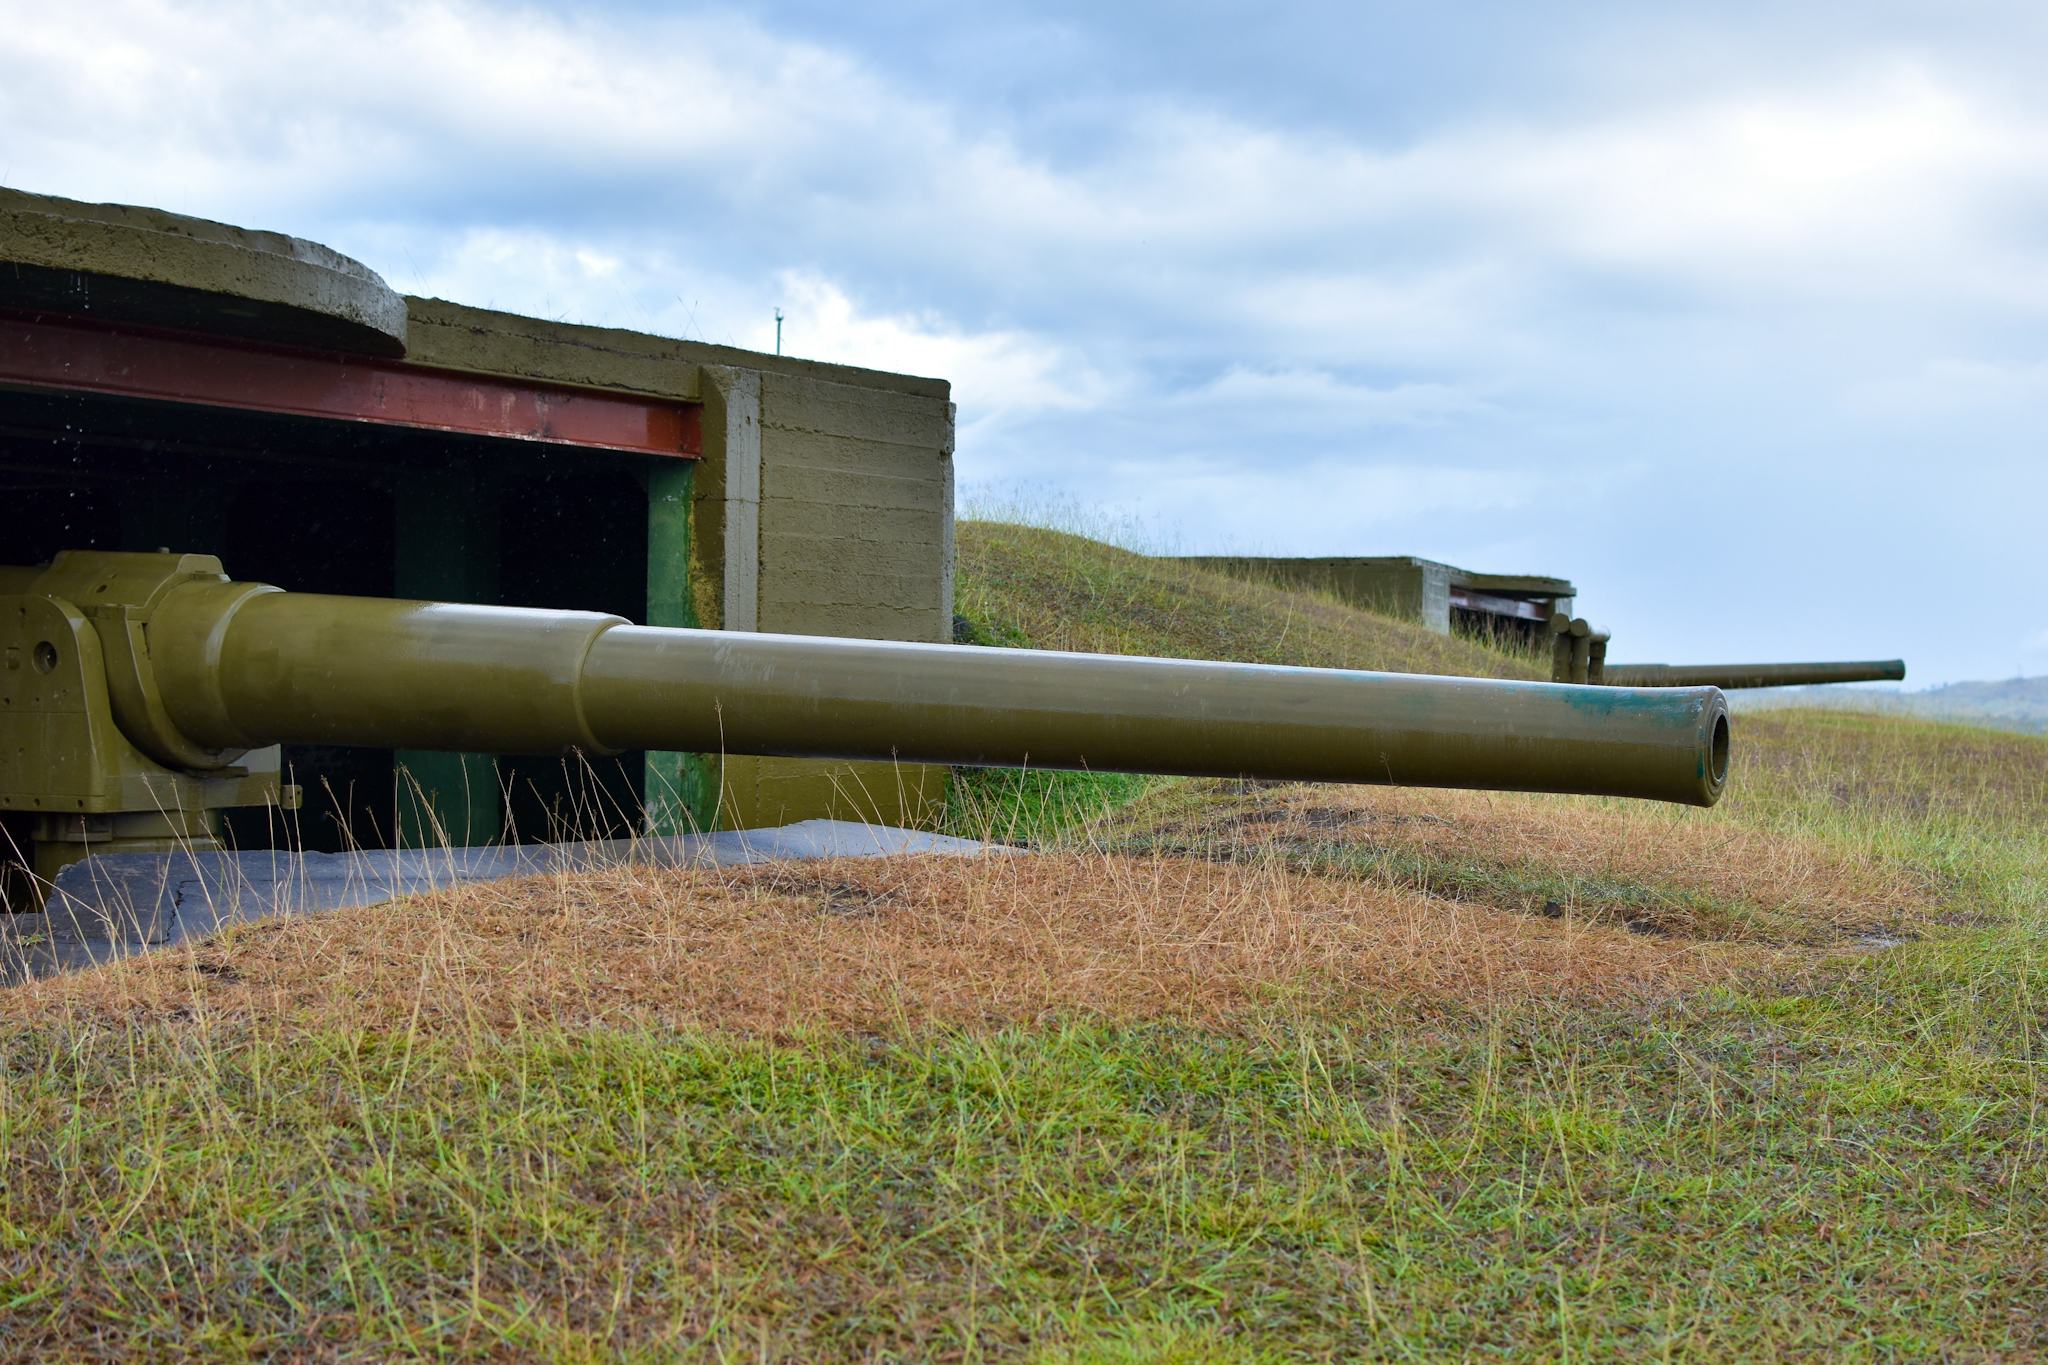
[
  {"x": 1393, "y": 585},
  {"x": 727, "y": 571},
  {"x": 458, "y": 337},
  {"x": 855, "y": 525},
  {"x": 110, "y": 907},
  {"x": 127, "y": 264}
]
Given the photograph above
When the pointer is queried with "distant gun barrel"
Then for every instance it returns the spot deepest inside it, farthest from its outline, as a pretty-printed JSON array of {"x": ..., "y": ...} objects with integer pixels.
[
  {"x": 202, "y": 670},
  {"x": 1731, "y": 676}
]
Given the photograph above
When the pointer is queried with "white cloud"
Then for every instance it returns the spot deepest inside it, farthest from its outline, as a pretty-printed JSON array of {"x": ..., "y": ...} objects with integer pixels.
[
  {"x": 264, "y": 102},
  {"x": 547, "y": 275},
  {"x": 528, "y": 271},
  {"x": 1818, "y": 281},
  {"x": 1894, "y": 179},
  {"x": 1328, "y": 507},
  {"x": 996, "y": 371},
  {"x": 1294, "y": 398}
]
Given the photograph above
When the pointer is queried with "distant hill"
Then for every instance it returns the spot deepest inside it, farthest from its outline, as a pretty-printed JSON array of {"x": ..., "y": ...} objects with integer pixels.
[{"x": 2013, "y": 704}]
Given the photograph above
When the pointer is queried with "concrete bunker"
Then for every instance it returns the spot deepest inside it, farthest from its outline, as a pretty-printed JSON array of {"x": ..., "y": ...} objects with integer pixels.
[
  {"x": 1511, "y": 608},
  {"x": 167, "y": 382}
]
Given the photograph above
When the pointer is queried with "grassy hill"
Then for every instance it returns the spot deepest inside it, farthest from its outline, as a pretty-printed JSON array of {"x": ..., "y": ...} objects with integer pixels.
[
  {"x": 1024, "y": 585},
  {"x": 1046, "y": 589},
  {"x": 2012, "y": 704},
  {"x": 1224, "y": 1072}
]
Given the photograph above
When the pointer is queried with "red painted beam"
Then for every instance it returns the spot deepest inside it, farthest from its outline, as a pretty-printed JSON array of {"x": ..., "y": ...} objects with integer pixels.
[{"x": 46, "y": 353}]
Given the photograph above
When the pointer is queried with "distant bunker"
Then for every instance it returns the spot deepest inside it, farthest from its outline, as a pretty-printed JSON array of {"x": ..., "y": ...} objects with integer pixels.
[
  {"x": 171, "y": 383},
  {"x": 1513, "y": 608}
]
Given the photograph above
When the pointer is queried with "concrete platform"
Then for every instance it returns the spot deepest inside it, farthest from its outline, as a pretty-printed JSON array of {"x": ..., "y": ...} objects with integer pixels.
[{"x": 106, "y": 908}]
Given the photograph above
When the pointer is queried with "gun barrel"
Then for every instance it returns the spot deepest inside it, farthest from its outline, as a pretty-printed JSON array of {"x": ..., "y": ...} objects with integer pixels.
[
  {"x": 1732, "y": 676},
  {"x": 224, "y": 667},
  {"x": 239, "y": 669}
]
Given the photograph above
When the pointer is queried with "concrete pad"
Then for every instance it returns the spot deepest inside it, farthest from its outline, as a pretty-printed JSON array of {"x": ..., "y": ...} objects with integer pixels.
[
  {"x": 127, "y": 264},
  {"x": 113, "y": 906}
]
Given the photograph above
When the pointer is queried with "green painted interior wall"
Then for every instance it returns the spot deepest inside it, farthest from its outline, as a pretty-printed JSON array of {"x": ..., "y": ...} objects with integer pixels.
[
  {"x": 451, "y": 533},
  {"x": 679, "y": 791},
  {"x": 447, "y": 550}
]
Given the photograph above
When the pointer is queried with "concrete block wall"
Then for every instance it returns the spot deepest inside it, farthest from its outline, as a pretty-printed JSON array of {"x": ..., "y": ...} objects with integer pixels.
[
  {"x": 1433, "y": 595},
  {"x": 1414, "y": 589},
  {"x": 845, "y": 493}
]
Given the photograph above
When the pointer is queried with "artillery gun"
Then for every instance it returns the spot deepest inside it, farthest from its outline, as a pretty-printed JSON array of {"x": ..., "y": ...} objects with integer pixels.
[
  {"x": 141, "y": 694},
  {"x": 1731, "y": 676},
  {"x": 1579, "y": 655}
]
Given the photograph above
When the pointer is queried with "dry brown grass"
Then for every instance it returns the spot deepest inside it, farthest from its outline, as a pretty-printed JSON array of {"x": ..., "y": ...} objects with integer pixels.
[
  {"x": 1327, "y": 898},
  {"x": 879, "y": 946},
  {"x": 1662, "y": 870}
]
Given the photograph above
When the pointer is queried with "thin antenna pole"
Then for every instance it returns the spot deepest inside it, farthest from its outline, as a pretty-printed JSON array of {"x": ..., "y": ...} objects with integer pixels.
[{"x": 778, "y": 331}]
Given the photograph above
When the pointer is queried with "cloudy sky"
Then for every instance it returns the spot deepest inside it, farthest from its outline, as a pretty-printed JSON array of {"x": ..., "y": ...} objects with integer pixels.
[{"x": 1735, "y": 314}]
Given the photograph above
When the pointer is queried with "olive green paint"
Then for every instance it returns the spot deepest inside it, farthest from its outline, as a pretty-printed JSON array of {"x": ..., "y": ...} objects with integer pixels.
[
  {"x": 83, "y": 741},
  {"x": 220, "y": 668},
  {"x": 1754, "y": 675}
]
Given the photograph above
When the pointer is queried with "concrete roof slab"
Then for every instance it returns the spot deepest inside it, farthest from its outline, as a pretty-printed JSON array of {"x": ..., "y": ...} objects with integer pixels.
[
  {"x": 139, "y": 265},
  {"x": 1514, "y": 584}
]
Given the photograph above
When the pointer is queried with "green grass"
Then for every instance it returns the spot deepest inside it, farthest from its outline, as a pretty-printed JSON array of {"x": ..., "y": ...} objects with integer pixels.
[
  {"x": 1049, "y": 589},
  {"x": 1024, "y": 808},
  {"x": 1852, "y": 1167},
  {"x": 1840, "y": 1158}
]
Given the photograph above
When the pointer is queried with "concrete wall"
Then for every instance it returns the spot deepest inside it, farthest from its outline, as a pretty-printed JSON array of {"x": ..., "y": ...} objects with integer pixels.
[
  {"x": 835, "y": 503},
  {"x": 1414, "y": 589}
]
